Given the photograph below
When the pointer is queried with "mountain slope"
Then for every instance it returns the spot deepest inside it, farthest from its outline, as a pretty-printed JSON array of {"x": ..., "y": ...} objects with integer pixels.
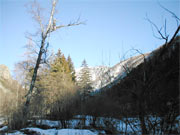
[
  {"x": 149, "y": 89},
  {"x": 102, "y": 75},
  {"x": 154, "y": 84}
]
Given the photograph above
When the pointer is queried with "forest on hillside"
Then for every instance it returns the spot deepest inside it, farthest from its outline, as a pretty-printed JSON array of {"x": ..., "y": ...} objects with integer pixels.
[{"x": 46, "y": 93}]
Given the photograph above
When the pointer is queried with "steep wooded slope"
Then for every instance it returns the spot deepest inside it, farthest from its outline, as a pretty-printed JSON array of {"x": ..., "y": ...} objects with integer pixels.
[{"x": 150, "y": 88}]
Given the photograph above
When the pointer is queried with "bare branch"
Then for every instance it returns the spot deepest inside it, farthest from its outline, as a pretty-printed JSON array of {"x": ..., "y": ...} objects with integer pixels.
[
  {"x": 175, "y": 34},
  {"x": 36, "y": 12},
  {"x": 165, "y": 36},
  {"x": 138, "y": 51},
  {"x": 30, "y": 46},
  {"x": 33, "y": 41},
  {"x": 173, "y": 14},
  {"x": 69, "y": 25},
  {"x": 162, "y": 37},
  {"x": 165, "y": 33}
]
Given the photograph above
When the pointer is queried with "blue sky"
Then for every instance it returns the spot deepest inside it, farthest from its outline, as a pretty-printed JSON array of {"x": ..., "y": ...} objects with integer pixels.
[{"x": 112, "y": 28}]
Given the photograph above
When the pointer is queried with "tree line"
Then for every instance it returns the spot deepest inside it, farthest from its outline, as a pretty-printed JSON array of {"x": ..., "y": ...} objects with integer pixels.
[{"x": 58, "y": 95}]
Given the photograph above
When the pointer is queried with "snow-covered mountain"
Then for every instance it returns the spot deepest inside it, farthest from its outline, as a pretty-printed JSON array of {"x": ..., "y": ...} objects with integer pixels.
[{"x": 103, "y": 75}]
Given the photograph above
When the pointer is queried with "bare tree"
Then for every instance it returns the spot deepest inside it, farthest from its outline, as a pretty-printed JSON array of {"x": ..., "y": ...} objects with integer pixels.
[
  {"x": 45, "y": 30},
  {"x": 162, "y": 31}
]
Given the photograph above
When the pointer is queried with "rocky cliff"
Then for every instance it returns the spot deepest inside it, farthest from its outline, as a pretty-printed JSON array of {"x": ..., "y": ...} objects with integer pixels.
[
  {"x": 4, "y": 72},
  {"x": 5, "y": 79}
]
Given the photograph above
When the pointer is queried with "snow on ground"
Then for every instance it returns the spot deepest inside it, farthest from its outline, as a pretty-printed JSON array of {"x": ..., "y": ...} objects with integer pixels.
[
  {"x": 1, "y": 120},
  {"x": 75, "y": 132},
  {"x": 56, "y": 132},
  {"x": 15, "y": 133},
  {"x": 128, "y": 125},
  {"x": 48, "y": 123},
  {"x": 3, "y": 128}
]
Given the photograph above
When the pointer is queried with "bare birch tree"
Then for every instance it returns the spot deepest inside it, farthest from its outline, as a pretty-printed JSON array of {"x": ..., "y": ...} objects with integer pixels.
[{"x": 45, "y": 29}]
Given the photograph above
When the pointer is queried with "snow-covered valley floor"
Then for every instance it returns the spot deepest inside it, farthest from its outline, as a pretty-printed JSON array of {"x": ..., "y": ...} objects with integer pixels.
[
  {"x": 103, "y": 126},
  {"x": 38, "y": 131}
]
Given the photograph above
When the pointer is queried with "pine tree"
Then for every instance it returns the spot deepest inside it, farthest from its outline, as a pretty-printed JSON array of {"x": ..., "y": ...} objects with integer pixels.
[
  {"x": 84, "y": 80},
  {"x": 60, "y": 64},
  {"x": 59, "y": 89},
  {"x": 65, "y": 65},
  {"x": 56, "y": 65},
  {"x": 71, "y": 67}
]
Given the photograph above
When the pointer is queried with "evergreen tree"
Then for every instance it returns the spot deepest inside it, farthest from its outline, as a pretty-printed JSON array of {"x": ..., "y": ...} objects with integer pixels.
[
  {"x": 59, "y": 89},
  {"x": 60, "y": 64},
  {"x": 84, "y": 80},
  {"x": 71, "y": 67},
  {"x": 65, "y": 64},
  {"x": 56, "y": 64}
]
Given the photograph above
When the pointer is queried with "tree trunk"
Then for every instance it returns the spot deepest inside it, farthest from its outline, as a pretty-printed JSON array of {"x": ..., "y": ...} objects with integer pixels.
[
  {"x": 142, "y": 121},
  {"x": 94, "y": 122},
  {"x": 26, "y": 107}
]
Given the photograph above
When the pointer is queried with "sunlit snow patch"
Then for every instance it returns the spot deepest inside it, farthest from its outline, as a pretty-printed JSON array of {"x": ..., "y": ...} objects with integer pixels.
[{"x": 61, "y": 131}]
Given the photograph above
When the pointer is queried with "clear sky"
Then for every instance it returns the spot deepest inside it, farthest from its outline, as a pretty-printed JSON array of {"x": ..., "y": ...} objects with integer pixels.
[{"x": 112, "y": 27}]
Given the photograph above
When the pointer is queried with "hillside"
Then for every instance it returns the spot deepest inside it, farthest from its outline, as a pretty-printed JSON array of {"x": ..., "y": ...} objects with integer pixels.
[
  {"x": 151, "y": 87},
  {"x": 148, "y": 93}
]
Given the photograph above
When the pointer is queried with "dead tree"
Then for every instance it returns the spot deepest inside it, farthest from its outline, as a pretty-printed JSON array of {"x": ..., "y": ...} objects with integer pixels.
[{"x": 45, "y": 30}]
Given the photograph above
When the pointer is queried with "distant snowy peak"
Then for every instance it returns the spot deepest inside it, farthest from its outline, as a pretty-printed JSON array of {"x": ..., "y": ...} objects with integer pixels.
[{"x": 103, "y": 75}]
